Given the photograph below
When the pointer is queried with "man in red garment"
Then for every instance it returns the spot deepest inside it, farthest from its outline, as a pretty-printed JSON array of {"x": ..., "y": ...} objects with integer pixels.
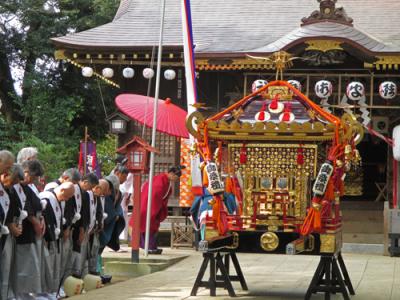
[{"x": 162, "y": 188}]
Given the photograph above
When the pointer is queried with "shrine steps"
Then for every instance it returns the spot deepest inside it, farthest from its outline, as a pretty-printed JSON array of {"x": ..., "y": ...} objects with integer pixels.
[{"x": 363, "y": 227}]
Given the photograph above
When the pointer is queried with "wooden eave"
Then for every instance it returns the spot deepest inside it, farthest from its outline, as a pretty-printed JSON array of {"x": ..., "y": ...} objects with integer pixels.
[{"x": 140, "y": 141}]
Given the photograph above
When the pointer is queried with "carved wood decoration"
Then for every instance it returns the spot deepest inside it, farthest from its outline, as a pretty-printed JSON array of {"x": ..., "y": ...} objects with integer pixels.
[{"x": 328, "y": 11}]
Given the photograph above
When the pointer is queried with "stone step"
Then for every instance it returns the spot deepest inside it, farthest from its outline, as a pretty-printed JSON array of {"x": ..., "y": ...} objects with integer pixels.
[
  {"x": 128, "y": 269},
  {"x": 362, "y": 215},
  {"x": 363, "y": 238},
  {"x": 123, "y": 267},
  {"x": 362, "y": 227},
  {"x": 361, "y": 205},
  {"x": 363, "y": 248}
]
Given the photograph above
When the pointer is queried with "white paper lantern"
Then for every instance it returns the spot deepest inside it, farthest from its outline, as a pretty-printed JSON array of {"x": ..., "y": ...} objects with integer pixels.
[
  {"x": 169, "y": 74},
  {"x": 296, "y": 84},
  {"x": 128, "y": 72},
  {"x": 323, "y": 89},
  {"x": 87, "y": 72},
  {"x": 258, "y": 84},
  {"x": 108, "y": 72},
  {"x": 148, "y": 73},
  {"x": 388, "y": 90},
  {"x": 355, "y": 91}
]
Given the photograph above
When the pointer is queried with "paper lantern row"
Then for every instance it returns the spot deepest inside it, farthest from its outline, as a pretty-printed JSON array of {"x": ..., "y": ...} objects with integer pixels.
[
  {"x": 323, "y": 89},
  {"x": 128, "y": 73}
]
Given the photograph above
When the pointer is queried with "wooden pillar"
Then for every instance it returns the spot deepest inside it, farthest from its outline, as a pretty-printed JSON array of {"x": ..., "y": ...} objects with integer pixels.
[{"x": 135, "y": 240}]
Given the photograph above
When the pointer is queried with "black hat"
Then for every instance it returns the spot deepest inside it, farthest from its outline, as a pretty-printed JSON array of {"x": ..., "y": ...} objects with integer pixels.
[
  {"x": 177, "y": 170},
  {"x": 121, "y": 159}
]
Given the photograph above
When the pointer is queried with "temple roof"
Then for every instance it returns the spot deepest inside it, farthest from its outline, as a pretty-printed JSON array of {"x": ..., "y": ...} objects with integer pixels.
[
  {"x": 328, "y": 30},
  {"x": 244, "y": 26}
]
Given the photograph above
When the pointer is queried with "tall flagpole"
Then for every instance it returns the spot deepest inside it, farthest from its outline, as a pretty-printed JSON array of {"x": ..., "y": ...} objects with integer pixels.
[
  {"x": 153, "y": 133},
  {"x": 188, "y": 51}
]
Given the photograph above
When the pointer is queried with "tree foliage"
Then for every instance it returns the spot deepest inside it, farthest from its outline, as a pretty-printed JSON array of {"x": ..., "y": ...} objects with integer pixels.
[{"x": 44, "y": 102}]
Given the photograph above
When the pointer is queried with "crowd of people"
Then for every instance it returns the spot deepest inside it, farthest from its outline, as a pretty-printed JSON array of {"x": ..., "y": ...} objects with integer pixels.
[{"x": 51, "y": 233}]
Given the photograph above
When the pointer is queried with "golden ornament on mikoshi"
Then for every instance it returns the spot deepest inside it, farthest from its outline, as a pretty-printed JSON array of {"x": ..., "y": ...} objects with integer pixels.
[{"x": 269, "y": 241}]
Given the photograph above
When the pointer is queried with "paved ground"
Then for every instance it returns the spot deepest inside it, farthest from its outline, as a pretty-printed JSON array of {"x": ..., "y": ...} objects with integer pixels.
[{"x": 268, "y": 277}]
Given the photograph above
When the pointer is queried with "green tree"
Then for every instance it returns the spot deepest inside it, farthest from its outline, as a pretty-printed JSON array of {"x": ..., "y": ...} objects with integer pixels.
[{"x": 46, "y": 103}]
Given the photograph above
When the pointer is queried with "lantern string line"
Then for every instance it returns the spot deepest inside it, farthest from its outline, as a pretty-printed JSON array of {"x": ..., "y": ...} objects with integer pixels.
[
  {"x": 101, "y": 97},
  {"x": 148, "y": 91},
  {"x": 106, "y": 80}
]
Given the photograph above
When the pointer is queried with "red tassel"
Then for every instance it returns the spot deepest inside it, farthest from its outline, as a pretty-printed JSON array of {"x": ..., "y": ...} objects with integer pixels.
[
  {"x": 274, "y": 103},
  {"x": 300, "y": 156},
  {"x": 243, "y": 155},
  {"x": 286, "y": 117},
  {"x": 262, "y": 116},
  {"x": 312, "y": 222},
  {"x": 326, "y": 209},
  {"x": 330, "y": 190},
  {"x": 287, "y": 112}
]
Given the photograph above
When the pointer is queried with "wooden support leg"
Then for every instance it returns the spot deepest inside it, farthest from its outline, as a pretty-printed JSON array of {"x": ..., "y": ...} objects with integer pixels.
[
  {"x": 200, "y": 275},
  {"x": 338, "y": 275},
  {"x": 345, "y": 274},
  {"x": 239, "y": 275},
  {"x": 328, "y": 279},
  {"x": 212, "y": 281},
  {"x": 218, "y": 262},
  {"x": 238, "y": 270},
  {"x": 315, "y": 280},
  {"x": 225, "y": 276},
  {"x": 328, "y": 282},
  {"x": 226, "y": 261}
]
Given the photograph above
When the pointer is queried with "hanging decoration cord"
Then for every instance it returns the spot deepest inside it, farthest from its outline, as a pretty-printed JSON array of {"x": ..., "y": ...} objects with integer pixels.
[{"x": 102, "y": 98}]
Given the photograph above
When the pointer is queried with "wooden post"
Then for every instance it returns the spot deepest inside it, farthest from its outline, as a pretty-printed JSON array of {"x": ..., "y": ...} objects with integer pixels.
[
  {"x": 135, "y": 239},
  {"x": 386, "y": 220},
  {"x": 85, "y": 152}
]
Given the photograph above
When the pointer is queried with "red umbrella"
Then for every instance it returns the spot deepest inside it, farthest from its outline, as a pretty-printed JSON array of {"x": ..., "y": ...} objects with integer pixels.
[{"x": 171, "y": 119}]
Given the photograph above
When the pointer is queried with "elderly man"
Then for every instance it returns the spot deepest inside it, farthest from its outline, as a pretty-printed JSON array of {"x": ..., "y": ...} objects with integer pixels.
[
  {"x": 28, "y": 153},
  {"x": 53, "y": 214},
  {"x": 6, "y": 161},
  {"x": 71, "y": 211},
  {"x": 69, "y": 175}
]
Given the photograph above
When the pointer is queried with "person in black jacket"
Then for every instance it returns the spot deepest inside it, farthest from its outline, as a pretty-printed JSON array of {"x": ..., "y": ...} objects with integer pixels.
[
  {"x": 53, "y": 214},
  {"x": 27, "y": 254},
  {"x": 13, "y": 221},
  {"x": 80, "y": 234}
]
